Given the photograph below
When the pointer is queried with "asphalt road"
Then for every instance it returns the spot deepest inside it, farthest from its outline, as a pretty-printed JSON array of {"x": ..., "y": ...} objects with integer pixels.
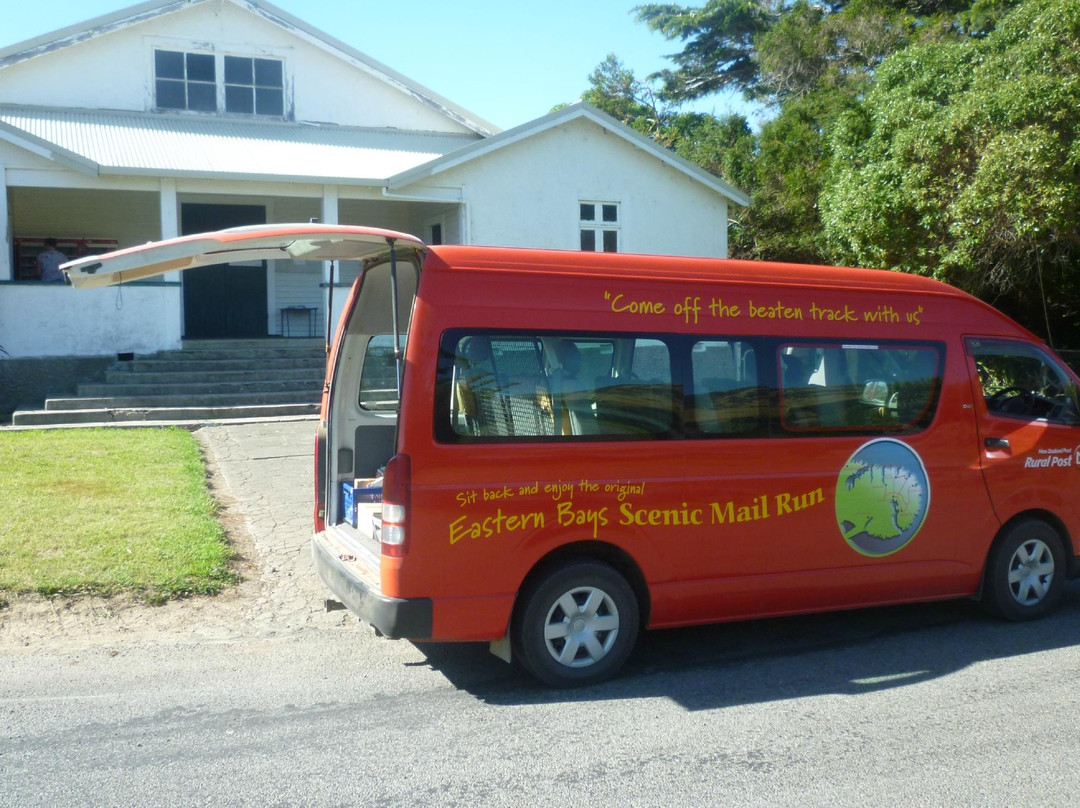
[{"x": 927, "y": 705}]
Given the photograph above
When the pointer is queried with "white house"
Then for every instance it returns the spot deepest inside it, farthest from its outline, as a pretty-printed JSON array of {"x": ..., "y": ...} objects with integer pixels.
[{"x": 178, "y": 116}]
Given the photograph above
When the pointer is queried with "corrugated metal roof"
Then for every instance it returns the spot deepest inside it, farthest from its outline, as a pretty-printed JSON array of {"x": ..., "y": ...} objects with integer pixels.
[{"x": 118, "y": 142}]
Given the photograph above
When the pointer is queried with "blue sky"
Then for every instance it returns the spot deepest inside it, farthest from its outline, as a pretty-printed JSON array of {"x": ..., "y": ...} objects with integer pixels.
[{"x": 507, "y": 61}]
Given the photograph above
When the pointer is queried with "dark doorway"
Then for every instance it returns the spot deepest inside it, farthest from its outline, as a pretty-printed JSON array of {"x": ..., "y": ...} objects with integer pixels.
[{"x": 224, "y": 300}]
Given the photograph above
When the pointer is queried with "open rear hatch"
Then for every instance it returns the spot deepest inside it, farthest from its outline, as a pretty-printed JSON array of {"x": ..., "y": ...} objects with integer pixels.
[{"x": 301, "y": 242}]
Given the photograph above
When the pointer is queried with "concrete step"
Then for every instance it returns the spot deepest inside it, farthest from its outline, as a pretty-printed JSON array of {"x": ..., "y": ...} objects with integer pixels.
[
  {"x": 165, "y": 402},
  {"x": 189, "y": 364},
  {"x": 312, "y": 386},
  {"x": 253, "y": 354},
  {"x": 212, "y": 375},
  {"x": 207, "y": 380},
  {"x": 258, "y": 343},
  {"x": 244, "y": 349},
  {"x": 194, "y": 413}
]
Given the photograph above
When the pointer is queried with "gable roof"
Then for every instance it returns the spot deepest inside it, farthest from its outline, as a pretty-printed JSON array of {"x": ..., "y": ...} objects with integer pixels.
[
  {"x": 143, "y": 12},
  {"x": 577, "y": 111}
]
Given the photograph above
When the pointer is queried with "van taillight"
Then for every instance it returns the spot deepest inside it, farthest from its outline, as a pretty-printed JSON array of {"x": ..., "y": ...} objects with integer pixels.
[{"x": 395, "y": 507}]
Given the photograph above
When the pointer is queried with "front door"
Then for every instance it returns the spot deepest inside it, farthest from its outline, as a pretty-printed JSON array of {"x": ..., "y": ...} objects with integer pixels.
[
  {"x": 1029, "y": 427},
  {"x": 224, "y": 300}
]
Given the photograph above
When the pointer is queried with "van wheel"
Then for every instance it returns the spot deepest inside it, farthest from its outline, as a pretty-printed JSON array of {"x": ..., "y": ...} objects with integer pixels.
[
  {"x": 576, "y": 625},
  {"x": 1025, "y": 571}
]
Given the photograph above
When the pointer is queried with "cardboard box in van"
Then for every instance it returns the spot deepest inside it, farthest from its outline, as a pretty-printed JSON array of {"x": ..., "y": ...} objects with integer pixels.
[{"x": 577, "y": 446}]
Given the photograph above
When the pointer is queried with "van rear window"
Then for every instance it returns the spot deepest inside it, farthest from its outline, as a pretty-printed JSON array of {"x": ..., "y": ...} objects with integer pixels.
[{"x": 378, "y": 378}]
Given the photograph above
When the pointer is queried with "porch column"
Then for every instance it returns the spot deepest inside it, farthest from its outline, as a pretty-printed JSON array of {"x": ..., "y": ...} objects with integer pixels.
[
  {"x": 5, "y": 229},
  {"x": 464, "y": 237},
  {"x": 169, "y": 213},
  {"x": 329, "y": 216}
]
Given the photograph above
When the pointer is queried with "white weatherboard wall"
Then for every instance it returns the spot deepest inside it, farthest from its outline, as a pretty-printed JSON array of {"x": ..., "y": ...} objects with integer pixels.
[
  {"x": 43, "y": 320},
  {"x": 115, "y": 71},
  {"x": 527, "y": 194}
]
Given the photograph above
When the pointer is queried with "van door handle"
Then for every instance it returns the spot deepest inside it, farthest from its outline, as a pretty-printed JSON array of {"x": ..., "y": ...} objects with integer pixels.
[{"x": 997, "y": 443}]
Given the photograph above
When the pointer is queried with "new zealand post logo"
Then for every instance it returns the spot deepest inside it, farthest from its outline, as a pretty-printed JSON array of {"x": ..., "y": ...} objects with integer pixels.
[{"x": 882, "y": 497}]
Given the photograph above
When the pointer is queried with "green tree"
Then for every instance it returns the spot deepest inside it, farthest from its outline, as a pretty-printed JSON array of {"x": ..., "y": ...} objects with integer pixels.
[
  {"x": 723, "y": 146},
  {"x": 771, "y": 49},
  {"x": 963, "y": 163},
  {"x": 617, "y": 91},
  {"x": 813, "y": 63}
]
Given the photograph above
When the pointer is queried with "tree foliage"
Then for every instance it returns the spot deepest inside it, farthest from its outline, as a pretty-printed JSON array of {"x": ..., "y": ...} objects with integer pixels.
[
  {"x": 810, "y": 63},
  {"x": 723, "y": 146},
  {"x": 963, "y": 163}
]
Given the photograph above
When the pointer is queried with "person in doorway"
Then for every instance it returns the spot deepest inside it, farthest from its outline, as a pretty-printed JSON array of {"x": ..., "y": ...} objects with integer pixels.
[{"x": 49, "y": 261}]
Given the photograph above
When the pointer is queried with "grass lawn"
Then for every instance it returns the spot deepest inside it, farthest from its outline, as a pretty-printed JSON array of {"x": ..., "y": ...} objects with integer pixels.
[{"x": 108, "y": 511}]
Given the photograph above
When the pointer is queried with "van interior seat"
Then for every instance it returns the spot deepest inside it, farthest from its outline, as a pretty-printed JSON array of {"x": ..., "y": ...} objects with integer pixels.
[
  {"x": 574, "y": 400},
  {"x": 528, "y": 406},
  {"x": 477, "y": 389}
]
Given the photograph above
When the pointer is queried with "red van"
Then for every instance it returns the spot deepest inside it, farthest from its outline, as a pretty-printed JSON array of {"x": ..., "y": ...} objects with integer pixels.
[{"x": 550, "y": 451}]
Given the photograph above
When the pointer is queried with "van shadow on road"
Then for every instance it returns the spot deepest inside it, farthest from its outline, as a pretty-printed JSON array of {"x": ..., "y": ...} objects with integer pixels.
[{"x": 732, "y": 664}]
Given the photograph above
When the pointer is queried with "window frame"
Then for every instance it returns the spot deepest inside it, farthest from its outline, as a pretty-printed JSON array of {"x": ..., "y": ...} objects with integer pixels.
[
  {"x": 921, "y": 421},
  {"x": 599, "y": 227},
  {"x": 1033, "y": 351},
  {"x": 446, "y": 433},
  {"x": 221, "y": 85},
  {"x": 377, "y": 348}
]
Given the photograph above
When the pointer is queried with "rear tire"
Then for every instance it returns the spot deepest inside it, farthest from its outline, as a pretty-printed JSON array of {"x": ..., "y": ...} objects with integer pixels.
[
  {"x": 1025, "y": 571},
  {"x": 576, "y": 624}
]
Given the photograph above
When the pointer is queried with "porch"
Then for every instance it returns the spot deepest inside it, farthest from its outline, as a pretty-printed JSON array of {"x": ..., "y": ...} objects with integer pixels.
[{"x": 272, "y": 298}]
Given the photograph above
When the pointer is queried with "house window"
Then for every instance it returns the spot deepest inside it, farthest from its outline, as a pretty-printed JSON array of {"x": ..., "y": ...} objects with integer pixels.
[
  {"x": 598, "y": 223},
  {"x": 254, "y": 86},
  {"x": 193, "y": 82},
  {"x": 185, "y": 81}
]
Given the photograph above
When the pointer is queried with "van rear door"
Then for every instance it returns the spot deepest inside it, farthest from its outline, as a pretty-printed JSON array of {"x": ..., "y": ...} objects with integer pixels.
[{"x": 300, "y": 242}]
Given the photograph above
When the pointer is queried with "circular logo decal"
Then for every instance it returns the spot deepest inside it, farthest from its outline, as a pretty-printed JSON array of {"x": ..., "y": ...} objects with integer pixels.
[{"x": 882, "y": 497}]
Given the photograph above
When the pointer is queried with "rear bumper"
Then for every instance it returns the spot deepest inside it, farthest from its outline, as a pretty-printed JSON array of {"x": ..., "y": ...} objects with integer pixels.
[{"x": 396, "y": 618}]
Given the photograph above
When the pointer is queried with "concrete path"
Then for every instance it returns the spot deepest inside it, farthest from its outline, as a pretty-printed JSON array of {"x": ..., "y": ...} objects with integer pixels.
[{"x": 269, "y": 470}]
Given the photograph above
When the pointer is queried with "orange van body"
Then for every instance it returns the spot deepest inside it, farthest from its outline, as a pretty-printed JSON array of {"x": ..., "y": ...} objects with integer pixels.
[
  {"x": 703, "y": 527},
  {"x": 551, "y": 450}
]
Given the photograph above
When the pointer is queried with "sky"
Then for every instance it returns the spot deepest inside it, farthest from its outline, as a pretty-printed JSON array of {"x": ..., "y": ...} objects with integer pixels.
[{"x": 506, "y": 61}]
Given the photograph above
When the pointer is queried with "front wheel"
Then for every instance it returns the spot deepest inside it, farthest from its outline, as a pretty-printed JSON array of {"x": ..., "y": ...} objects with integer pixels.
[
  {"x": 576, "y": 624},
  {"x": 1025, "y": 571}
]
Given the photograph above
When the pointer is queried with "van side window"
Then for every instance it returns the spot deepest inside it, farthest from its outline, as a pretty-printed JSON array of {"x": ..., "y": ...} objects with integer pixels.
[
  {"x": 1020, "y": 381},
  {"x": 378, "y": 378},
  {"x": 494, "y": 386},
  {"x": 857, "y": 387},
  {"x": 725, "y": 398}
]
